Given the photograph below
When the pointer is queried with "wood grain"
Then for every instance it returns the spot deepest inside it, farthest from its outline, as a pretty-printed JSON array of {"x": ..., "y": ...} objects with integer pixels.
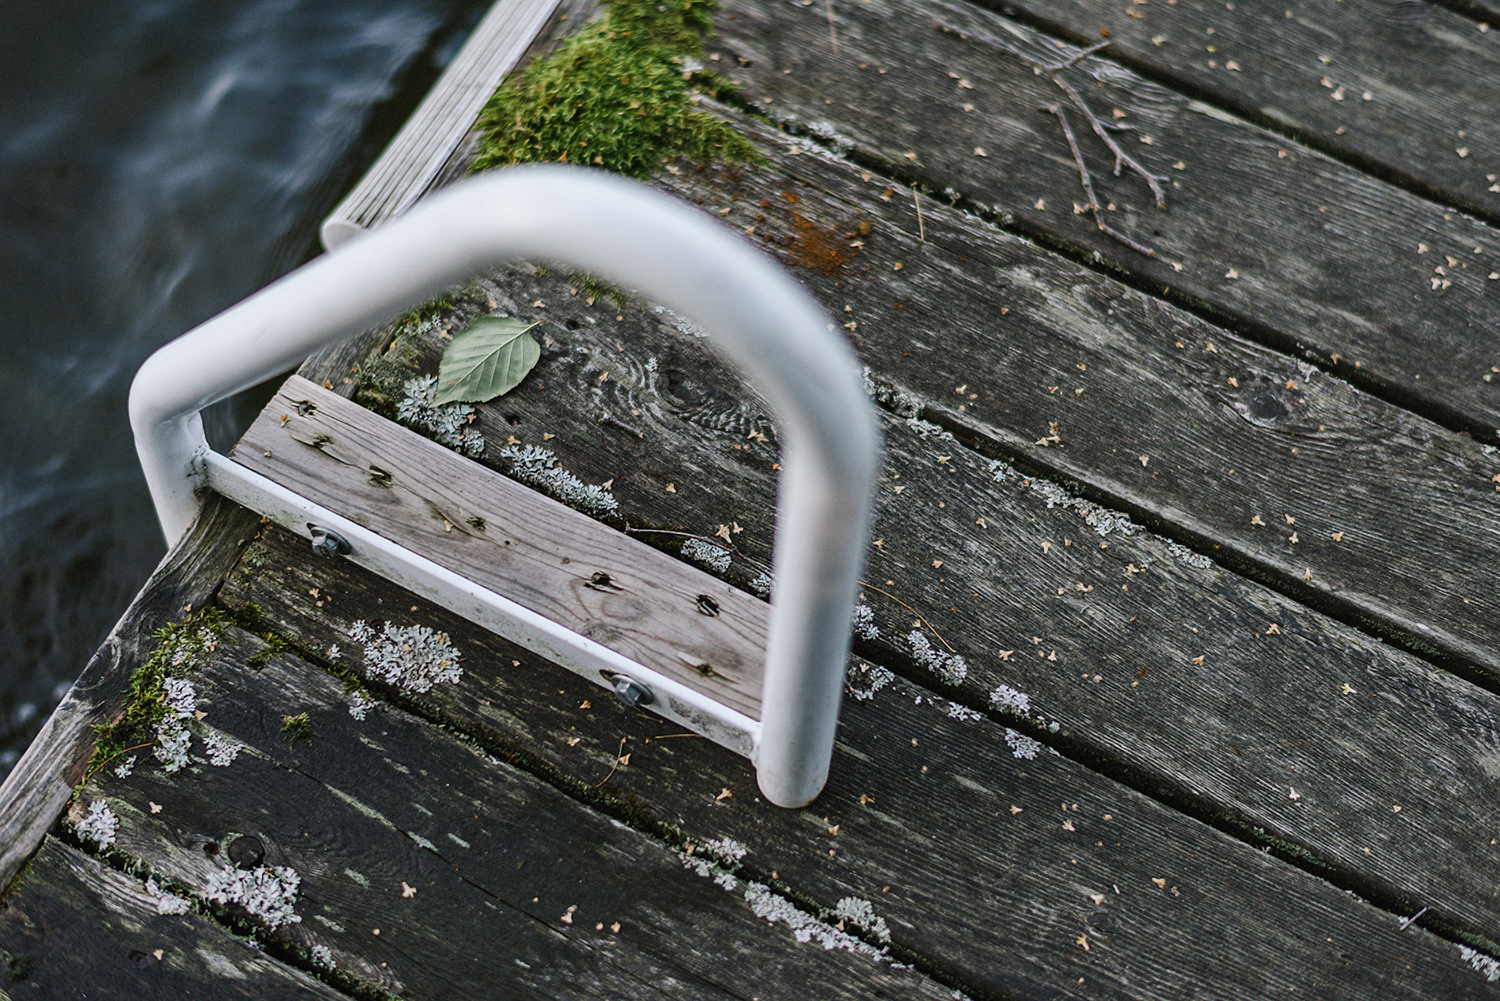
[
  {"x": 1324, "y": 72},
  {"x": 77, "y": 929},
  {"x": 1265, "y": 462},
  {"x": 430, "y": 869},
  {"x": 35, "y": 791},
  {"x": 981, "y": 851},
  {"x": 512, "y": 540},
  {"x": 1156, "y": 664},
  {"x": 1311, "y": 256}
]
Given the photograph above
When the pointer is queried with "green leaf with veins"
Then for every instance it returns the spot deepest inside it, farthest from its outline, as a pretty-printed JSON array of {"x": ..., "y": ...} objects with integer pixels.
[{"x": 487, "y": 360}]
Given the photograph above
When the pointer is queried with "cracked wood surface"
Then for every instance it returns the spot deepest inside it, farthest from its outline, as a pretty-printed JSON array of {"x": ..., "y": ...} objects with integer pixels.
[
  {"x": 929, "y": 813},
  {"x": 1322, "y": 259},
  {"x": 1193, "y": 681},
  {"x": 79, "y": 929},
  {"x": 1249, "y": 790},
  {"x": 1261, "y": 460},
  {"x": 430, "y": 868},
  {"x": 37, "y": 788}
]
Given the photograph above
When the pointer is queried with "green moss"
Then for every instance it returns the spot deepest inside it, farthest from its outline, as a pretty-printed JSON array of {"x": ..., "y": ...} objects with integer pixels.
[
  {"x": 274, "y": 646},
  {"x": 613, "y": 96},
  {"x": 18, "y": 967},
  {"x": 297, "y": 728},
  {"x": 180, "y": 648}
]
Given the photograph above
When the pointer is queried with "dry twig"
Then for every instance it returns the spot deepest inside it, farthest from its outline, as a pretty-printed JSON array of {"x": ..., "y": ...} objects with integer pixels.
[
  {"x": 1088, "y": 186},
  {"x": 1053, "y": 71}
]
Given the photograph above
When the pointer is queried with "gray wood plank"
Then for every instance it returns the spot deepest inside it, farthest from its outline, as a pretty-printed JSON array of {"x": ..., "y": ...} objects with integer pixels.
[
  {"x": 1311, "y": 256},
  {"x": 429, "y": 868},
  {"x": 1004, "y": 869},
  {"x": 512, "y": 540},
  {"x": 1266, "y": 462},
  {"x": 1196, "y": 699},
  {"x": 410, "y": 164},
  {"x": 35, "y": 791},
  {"x": 1403, "y": 90},
  {"x": 76, "y": 929}
]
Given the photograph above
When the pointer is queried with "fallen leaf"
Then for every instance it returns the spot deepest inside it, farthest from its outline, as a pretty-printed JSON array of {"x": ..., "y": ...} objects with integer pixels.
[{"x": 486, "y": 360}]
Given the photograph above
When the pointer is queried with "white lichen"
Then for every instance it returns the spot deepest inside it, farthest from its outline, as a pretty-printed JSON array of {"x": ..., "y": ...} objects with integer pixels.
[
  {"x": 99, "y": 824},
  {"x": 164, "y": 901},
  {"x": 173, "y": 744},
  {"x": 901, "y": 402},
  {"x": 949, "y": 667},
  {"x": 173, "y": 738},
  {"x": 864, "y": 680},
  {"x": 1021, "y": 745},
  {"x": 334, "y": 653},
  {"x": 716, "y": 558},
  {"x": 124, "y": 769},
  {"x": 864, "y": 622},
  {"x": 1005, "y": 697},
  {"x": 763, "y": 585},
  {"x": 862, "y": 913},
  {"x": 708, "y": 868},
  {"x": 537, "y": 467},
  {"x": 266, "y": 893},
  {"x": 412, "y": 658},
  {"x": 927, "y": 429},
  {"x": 1186, "y": 555},
  {"x": 775, "y": 909},
  {"x": 221, "y": 750},
  {"x": 727, "y": 849},
  {"x": 448, "y": 424},
  {"x": 181, "y": 697},
  {"x": 679, "y": 322},
  {"x": 959, "y": 711},
  {"x": 359, "y": 704},
  {"x": 1481, "y": 963},
  {"x": 322, "y": 955}
]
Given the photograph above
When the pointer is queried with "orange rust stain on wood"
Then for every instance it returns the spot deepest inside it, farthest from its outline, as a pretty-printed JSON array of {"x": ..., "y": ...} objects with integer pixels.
[{"x": 816, "y": 247}]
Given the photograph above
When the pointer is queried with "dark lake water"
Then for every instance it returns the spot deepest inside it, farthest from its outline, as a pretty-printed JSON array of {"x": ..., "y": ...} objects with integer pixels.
[{"x": 159, "y": 161}]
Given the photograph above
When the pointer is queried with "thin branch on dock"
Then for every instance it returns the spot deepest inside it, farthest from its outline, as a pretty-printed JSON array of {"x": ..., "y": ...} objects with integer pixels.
[
  {"x": 618, "y": 753},
  {"x": 913, "y": 611},
  {"x": 1088, "y": 186},
  {"x": 1053, "y": 71},
  {"x": 1072, "y": 60},
  {"x": 1122, "y": 158}
]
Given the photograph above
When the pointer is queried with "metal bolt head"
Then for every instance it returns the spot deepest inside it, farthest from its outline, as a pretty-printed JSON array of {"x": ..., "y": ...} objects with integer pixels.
[
  {"x": 326, "y": 542},
  {"x": 631, "y": 692}
]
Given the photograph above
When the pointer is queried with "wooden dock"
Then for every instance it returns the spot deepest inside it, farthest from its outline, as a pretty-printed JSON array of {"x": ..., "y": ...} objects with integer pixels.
[{"x": 1180, "y": 670}]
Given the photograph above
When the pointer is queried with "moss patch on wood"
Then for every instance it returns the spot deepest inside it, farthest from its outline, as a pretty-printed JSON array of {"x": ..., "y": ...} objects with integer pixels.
[
  {"x": 180, "y": 647},
  {"x": 618, "y": 95}
]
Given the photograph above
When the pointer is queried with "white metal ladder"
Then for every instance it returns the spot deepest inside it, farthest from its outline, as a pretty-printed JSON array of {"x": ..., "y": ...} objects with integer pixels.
[{"x": 765, "y": 323}]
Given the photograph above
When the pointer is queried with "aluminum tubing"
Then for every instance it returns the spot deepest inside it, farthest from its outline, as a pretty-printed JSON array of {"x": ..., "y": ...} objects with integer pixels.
[{"x": 765, "y": 323}]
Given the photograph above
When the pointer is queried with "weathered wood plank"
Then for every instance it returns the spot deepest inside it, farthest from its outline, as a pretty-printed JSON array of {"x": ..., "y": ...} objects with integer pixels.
[
  {"x": 1309, "y": 254},
  {"x": 1166, "y": 414},
  {"x": 75, "y": 929},
  {"x": 427, "y": 868},
  {"x": 1402, "y": 89},
  {"x": 518, "y": 543},
  {"x": 37, "y": 788},
  {"x": 414, "y": 158},
  {"x": 1032, "y": 602},
  {"x": 1007, "y": 870}
]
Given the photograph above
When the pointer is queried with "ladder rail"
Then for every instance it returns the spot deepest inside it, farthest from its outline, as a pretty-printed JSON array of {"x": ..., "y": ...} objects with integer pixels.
[{"x": 763, "y": 321}]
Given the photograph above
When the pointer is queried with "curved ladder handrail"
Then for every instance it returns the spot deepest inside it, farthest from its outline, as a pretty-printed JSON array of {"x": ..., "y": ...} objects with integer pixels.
[{"x": 767, "y": 325}]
